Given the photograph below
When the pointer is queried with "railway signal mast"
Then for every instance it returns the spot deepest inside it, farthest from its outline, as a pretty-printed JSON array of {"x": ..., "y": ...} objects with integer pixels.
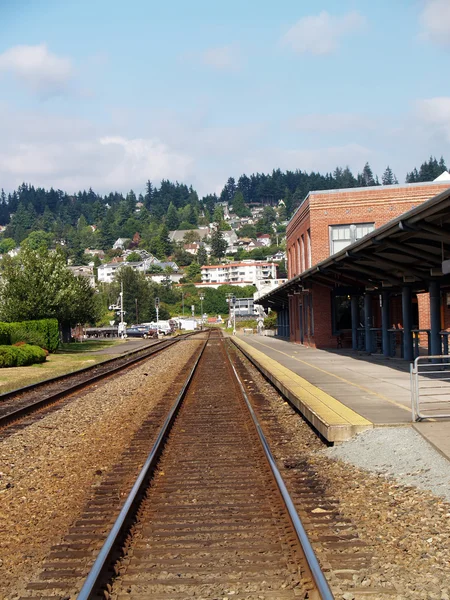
[{"x": 118, "y": 307}]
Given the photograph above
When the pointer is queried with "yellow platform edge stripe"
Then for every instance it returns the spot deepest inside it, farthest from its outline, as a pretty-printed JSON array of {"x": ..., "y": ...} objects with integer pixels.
[{"x": 326, "y": 407}]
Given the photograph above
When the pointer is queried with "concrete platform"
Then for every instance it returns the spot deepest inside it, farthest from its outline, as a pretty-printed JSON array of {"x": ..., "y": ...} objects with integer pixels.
[{"x": 376, "y": 391}]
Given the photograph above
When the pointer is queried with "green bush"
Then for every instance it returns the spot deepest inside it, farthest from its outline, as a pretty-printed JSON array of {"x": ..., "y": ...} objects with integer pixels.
[
  {"x": 270, "y": 322},
  {"x": 21, "y": 356},
  {"x": 24, "y": 334},
  {"x": 42, "y": 332},
  {"x": 5, "y": 333}
]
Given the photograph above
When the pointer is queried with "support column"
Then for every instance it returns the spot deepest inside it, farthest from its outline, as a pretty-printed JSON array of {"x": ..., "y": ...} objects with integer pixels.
[
  {"x": 355, "y": 321},
  {"x": 435, "y": 317},
  {"x": 368, "y": 321},
  {"x": 408, "y": 351},
  {"x": 385, "y": 319}
]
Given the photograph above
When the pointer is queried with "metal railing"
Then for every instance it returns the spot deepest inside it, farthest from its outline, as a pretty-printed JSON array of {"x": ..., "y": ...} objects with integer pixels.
[{"x": 430, "y": 387}]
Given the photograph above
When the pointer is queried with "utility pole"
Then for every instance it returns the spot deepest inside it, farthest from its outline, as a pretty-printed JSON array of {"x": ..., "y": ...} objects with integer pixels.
[
  {"x": 182, "y": 300},
  {"x": 121, "y": 311},
  {"x": 234, "y": 314},
  {"x": 137, "y": 313},
  {"x": 202, "y": 297},
  {"x": 229, "y": 296}
]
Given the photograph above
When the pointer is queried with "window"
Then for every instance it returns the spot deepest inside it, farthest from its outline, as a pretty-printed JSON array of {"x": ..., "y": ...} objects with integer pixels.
[
  {"x": 344, "y": 235},
  {"x": 308, "y": 240},
  {"x": 303, "y": 252}
]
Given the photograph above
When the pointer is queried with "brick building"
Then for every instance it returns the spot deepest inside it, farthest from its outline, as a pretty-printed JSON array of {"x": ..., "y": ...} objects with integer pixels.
[{"x": 345, "y": 294}]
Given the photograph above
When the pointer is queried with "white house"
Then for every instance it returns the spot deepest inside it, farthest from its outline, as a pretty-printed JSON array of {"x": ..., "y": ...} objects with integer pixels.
[
  {"x": 264, "y": 239},
  {"x": 246, "y": 272},
  {"x": 167, "y": 277},
  {"x": 231, "y": 239},
  {"x": 120, "y": 243},
  {"x": 106, "y": 273}
]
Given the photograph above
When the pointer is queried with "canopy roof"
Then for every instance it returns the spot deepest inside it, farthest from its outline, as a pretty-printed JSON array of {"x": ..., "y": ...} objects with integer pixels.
[{"x": 409, "y": 249}]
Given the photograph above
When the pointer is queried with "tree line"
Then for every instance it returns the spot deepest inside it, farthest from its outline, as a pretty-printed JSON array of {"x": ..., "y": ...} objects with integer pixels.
[{"x": 90, "y": 220}]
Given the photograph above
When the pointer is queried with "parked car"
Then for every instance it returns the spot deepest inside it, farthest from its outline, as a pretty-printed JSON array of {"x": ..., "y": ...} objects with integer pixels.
[{"x": 141, "y": 331}]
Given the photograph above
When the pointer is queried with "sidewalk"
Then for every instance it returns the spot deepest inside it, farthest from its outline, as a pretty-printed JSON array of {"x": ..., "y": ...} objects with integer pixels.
[{"x": 375, "y": 389}]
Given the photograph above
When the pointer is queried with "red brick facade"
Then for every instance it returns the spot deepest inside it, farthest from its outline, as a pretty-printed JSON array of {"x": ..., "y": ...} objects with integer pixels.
[{"x": 308, "y": 242}]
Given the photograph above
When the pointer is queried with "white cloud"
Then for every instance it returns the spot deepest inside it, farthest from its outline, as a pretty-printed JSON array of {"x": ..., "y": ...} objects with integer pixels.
[
  {"x": 435, "y": 22},
  {"x": 140, "y": 159},
  {"x": 321, "y": 34},
  {"x": 332, "y": 122},
  {"x": 434, "y": 114},
  {"x": 40, "y": 70},
  {"x": 74, "y": 154},
  {"x": 224, "y": 58}
]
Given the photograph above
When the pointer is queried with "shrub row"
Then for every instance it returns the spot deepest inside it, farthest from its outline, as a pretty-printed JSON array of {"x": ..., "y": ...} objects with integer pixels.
[
  {"x": 21, "y": 356},
  {"x": 43, "y": 332}
]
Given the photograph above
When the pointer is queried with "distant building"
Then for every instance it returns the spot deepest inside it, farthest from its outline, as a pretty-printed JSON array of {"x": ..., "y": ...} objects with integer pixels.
[
  {"x": 94, "y": 252},
  {"x": 264, "y": 239},
  {"x": 166, "y": 277},
  {"x": 192, "y": 248},
  {"x": 245, "y": 272},
  {"x": 178, "y": 235},
  {"x": 120, "y": 243},
  {"x": 83, "y": 271}
]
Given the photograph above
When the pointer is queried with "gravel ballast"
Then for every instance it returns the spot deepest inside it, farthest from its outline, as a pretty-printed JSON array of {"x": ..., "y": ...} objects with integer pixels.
[
  {"x": 398, "y": 452},
  {"x": 48, "y": 469},
  {"x": 406, "y": 529}
]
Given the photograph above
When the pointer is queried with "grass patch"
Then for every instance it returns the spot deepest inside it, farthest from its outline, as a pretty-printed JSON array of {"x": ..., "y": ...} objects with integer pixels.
[
  {"x": 88, "y": 346},
  {"x": 56, "y": 364}
]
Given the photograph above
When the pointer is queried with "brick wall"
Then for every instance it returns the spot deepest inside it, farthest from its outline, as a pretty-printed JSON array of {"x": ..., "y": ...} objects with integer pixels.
[{"x": 376, "y": 205}]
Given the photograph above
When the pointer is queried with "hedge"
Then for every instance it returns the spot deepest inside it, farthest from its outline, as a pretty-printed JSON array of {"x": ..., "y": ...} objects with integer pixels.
[
  {"x": 43, "y": 332},
  {"x": 21, "y": 356}
]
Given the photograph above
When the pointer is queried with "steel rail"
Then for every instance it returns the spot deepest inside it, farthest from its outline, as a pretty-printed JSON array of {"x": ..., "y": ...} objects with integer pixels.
[
  {"x": 35, "y": 386},
  {"x": 143, "y": 354},
  {"x": 101, "y": 563},
  {"x": 310, "y": 555}
]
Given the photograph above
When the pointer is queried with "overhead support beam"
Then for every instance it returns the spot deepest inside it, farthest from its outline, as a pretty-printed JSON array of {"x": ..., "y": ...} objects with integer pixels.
[
  {"x": 442, "y": 233},
  {"x": 376, "y": 275},
  {"x": 322, "y": 280},
  {"x": 394, "y": 265},
  {"x": 414, "y": 252}
]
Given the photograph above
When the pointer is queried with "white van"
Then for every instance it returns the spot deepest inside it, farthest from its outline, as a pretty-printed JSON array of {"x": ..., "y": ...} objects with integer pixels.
[{"x": 163, "y": 327}]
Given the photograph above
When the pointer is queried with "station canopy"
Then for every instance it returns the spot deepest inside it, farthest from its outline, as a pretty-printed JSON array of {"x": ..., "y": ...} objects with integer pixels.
[{"x": 413, "y": 249}]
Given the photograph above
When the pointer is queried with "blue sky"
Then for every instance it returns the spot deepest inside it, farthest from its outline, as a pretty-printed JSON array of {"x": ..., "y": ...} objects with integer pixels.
[{"x": 109, "y": 94}]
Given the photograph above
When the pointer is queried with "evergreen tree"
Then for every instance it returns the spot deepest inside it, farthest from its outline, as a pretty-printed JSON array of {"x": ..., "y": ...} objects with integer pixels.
[
  {"x": 202, "y": 255},
  {"x": 366, "y": 178},
  {"x": 218, "y": 244},
  {"x": 388, "y": 177},
  {"x": 228, "y": 191},
  {"x": 239, "y": 206},
  {"x": 218, "y": 214},
  {"x": 172, "y": 220},
  {"x": 429, "y": 170}
]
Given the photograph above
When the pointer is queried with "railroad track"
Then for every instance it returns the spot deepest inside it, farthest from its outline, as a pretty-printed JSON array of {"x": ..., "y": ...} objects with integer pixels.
[
  {"x": 16, "y": 406},
  {"x": 208, "y": 516}
]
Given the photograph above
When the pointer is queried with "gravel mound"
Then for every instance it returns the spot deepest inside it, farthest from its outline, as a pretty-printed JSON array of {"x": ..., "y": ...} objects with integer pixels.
[{"x": 399, "y": 452}]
